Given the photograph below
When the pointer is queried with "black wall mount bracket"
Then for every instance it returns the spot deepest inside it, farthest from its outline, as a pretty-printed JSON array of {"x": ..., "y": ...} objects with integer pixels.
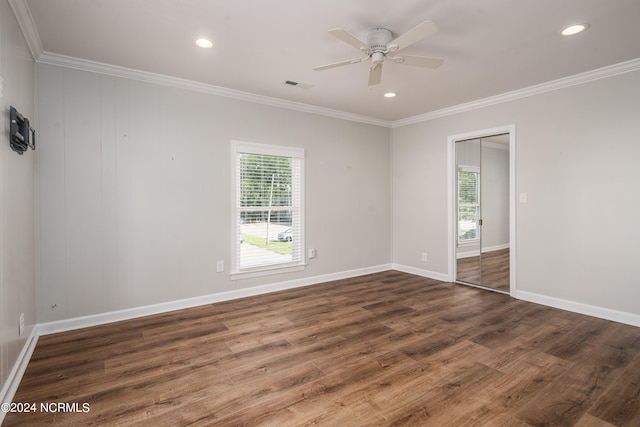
[{"x": 21, "y": 134}]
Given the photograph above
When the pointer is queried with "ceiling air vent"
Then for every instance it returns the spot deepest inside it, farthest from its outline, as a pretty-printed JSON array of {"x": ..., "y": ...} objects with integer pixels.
[{"x": 298, "y": 84}]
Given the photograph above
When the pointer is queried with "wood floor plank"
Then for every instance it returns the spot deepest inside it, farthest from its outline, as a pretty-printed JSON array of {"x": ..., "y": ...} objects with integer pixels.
[
  {"x": 590, "y": 421},
  {"x": 620, "y": 405},
  {"x": 490, "y": 270},
  {"x": 381, "y": 349}
]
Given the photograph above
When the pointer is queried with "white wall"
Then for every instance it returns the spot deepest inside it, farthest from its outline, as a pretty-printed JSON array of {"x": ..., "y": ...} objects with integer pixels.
[
  {"x": 495, "y": 196},
  {"x": 577, "y": 158},
  {"x": 17, "y": 241},
  {"x": 135, "y": 191}
]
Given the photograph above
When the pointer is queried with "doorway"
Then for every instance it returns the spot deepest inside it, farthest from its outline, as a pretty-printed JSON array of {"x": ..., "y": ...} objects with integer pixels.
[{"x": 483, "y": 209}]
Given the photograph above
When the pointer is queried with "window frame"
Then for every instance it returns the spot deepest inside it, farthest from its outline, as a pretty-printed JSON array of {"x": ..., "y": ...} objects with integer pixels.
[
  {"x": 476, "y": 170},
  {"x": 238, "y": 147}
]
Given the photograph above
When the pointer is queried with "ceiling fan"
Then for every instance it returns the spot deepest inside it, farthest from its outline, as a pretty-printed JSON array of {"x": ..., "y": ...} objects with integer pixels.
[{"x": 379, "y": 44}]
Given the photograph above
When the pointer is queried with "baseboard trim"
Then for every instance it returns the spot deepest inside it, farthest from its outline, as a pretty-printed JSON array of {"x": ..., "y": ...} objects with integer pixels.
[
  {"x": 132, "y": 313},
  {"x": 577, "y": 307},
  {"x": 19, "y": 367},
  {"x": 495, "y": 248},
  {"x": 469, "y": 254},
  {"x": 421, "y": 272}
]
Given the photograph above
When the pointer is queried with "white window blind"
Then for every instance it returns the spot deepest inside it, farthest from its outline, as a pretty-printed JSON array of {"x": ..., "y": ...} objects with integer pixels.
[
  {"x": 268, "y": 207},
  {"x": 468, "y": 204}
]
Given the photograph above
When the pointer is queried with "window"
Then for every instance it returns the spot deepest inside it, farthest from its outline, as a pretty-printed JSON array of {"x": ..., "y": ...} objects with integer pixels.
[
  {"x": 268, "y": 209},
  {"x": 468, "y": 204}
]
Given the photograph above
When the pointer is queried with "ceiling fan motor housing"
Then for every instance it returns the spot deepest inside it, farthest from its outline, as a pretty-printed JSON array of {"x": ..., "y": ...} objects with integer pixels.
[{"x": 377, "y": 39}]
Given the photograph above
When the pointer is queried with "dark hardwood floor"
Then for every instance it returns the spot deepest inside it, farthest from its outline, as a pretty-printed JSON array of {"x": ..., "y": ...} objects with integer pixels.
[
  {"x": 494, "y": 267},
  {"x": 386, "y": 349}
]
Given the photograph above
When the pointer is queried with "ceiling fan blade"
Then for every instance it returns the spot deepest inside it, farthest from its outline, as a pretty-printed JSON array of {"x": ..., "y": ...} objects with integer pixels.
[
  {"x": 418, "y": 61},
  {"x": 346, "y": 37},
  {"x": 415, "y": 34},
  {"x": 339, "y": 64},
  {"x": 375, "y": 74}
]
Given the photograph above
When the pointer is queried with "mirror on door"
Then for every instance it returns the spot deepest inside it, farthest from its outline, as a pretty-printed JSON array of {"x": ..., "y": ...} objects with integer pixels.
[{"x": 482, "y": 194}]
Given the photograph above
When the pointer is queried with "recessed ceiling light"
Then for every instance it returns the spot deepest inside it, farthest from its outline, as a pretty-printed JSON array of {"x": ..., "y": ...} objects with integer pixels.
[
  {"x": 574, "y": 29},
  {"x": 205, "y": 43},
  {"x": 390, "y": 94}
]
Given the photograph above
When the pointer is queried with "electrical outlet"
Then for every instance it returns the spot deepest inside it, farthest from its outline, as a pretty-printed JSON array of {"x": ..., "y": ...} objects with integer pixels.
[
  {"x": 21, "y": 324},
  {"x": 311, "y": 253},
  {"x": 424, "y": 256},
  {"x": 220, "y": 266},
  {"x": 524, "y": 198}
]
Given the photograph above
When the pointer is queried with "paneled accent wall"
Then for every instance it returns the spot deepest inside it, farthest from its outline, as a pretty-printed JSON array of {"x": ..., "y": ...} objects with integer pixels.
[
  {"x": 135, "y": 191},
  {"x": 17, "y": 189}
]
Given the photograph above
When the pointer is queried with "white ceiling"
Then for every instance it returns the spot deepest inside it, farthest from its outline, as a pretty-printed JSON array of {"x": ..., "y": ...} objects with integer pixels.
[{"x": 490, "y": 47}]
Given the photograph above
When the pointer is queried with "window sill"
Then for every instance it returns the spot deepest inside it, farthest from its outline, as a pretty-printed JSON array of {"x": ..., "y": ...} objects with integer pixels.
[{"x": 266, "y": 271}]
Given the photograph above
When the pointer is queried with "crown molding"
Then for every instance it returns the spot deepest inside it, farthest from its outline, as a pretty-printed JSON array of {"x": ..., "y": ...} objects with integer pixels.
[
  {"x": 25, "y": 21},
  {"x": 27, "y": 26},
  {"x": 576, "y": 79},
  {"x": 145, "y": 76}
]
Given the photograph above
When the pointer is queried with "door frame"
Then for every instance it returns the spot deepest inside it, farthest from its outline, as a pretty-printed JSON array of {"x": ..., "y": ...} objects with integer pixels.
[{"x": 451, "y": 194}]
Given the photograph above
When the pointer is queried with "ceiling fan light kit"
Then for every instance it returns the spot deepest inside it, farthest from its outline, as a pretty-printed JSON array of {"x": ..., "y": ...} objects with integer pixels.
[{"x": 379, "y": 42}]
